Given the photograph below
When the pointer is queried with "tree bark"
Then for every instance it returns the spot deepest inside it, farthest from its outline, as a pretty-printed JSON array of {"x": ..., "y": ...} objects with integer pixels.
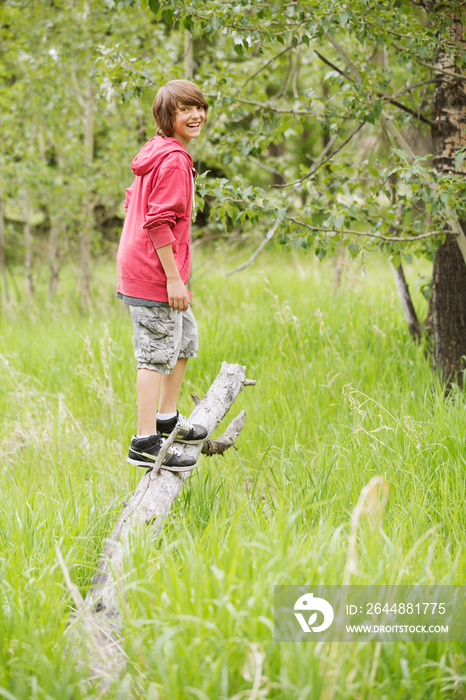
[
  {"x": 448, "y": 304},
  {"x": 449, "y": 312}
]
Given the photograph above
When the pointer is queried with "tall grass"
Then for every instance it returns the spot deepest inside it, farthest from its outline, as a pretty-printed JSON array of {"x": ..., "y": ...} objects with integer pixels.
[{"x": 342, "y": 395}]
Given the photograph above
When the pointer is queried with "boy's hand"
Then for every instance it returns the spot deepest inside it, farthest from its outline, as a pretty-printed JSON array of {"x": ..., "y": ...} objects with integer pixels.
[{"x": 178, "y": 297}]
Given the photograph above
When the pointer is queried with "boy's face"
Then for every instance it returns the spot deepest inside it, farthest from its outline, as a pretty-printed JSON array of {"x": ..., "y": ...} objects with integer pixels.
[{"x": 189, "y": 121}]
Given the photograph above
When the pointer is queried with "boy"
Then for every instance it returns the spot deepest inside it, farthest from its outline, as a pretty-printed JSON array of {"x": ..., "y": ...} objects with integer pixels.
[{"x": 153, "y": 265}]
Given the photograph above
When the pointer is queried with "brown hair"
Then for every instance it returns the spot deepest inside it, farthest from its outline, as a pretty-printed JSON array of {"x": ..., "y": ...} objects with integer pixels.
[{"x": 171, "y": 96}]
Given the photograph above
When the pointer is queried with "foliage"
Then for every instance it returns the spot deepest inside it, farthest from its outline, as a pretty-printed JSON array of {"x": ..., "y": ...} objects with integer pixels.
[
  {"x": 315, "y": 80},
  {"x": 300, "y": 96}
]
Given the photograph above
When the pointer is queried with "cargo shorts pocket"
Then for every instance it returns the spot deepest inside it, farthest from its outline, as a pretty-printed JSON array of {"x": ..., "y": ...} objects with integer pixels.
[{"x": 154, "y": 329}]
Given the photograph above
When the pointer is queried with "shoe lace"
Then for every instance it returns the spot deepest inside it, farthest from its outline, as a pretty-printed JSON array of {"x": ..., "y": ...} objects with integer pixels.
[
  {"x": 173, "y": 449},
  {"x": 183, "y": 422}
]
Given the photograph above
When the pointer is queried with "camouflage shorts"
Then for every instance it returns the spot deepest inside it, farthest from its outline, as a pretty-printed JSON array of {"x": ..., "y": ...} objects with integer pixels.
[{"x": 162, "y": 335}]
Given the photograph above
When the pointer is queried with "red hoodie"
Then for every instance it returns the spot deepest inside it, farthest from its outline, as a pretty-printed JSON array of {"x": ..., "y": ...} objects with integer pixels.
[{"x": 158, "y": 211}]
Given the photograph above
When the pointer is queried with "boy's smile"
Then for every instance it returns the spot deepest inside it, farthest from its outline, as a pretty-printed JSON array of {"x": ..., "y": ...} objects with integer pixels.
[{"x": 189, "y": 121}]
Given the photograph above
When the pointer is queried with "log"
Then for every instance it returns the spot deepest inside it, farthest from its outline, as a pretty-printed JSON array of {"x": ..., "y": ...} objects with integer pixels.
[
  {"x": 150, "y": 505},
  {"x": 152, "y": 500}
]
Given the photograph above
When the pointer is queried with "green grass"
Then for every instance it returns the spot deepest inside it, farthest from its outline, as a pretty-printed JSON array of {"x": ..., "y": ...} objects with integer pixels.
[{"x": 342, "y": 395}]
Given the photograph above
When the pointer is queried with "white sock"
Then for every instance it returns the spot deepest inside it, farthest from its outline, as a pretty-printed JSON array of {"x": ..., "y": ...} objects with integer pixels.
[
  {"x": 142, "y": 436},
  {"x": 166, "y": 416}
]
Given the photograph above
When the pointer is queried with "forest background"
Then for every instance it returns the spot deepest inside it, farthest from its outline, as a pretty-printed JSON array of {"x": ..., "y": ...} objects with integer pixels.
[{"x": 336, "y": 133}]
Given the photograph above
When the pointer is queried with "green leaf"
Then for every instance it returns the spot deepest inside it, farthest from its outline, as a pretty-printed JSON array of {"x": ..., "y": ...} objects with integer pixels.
[
  {"x": 154, "y": 6},
  {"x": 188, "y": 23},
  {"x": 167, "y": 16}
]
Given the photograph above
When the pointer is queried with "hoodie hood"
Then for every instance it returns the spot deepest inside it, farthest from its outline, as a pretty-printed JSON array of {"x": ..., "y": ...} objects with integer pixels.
[{"x": 153, "y": 152}]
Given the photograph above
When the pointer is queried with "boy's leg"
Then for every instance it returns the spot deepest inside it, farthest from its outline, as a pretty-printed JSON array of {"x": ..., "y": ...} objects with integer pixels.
[
  {"x": 148, "y": 389},
  {"x": 143, "y": 451},
  {"x": 155, "y": 330},
  {"x": 171, "y": 385},
  {"x": 189, "y": 433}
]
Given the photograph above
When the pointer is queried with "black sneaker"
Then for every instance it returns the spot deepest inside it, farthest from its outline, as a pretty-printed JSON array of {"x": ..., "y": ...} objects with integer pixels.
[
  {"x": 190, "y": 433},
  {"x": 143, "y": 453}
]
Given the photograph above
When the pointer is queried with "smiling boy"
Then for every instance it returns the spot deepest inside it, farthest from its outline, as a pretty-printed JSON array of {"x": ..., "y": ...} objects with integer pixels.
[{"x": 153, "y": 264}]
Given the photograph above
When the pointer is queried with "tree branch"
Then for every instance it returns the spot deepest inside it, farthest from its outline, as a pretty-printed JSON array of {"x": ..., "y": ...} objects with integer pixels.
[
  {"x": 265, "y": 105},
  {"x": 387, "y": 98},
  {"x": 410, "y": 88},
  {"x": 321, "y": 162},
  {"x": 222, "y": 443},
  {"x": 268, "y": 238},
  {"x": 449, "y": 73},
  {"x": 266, "y": 65},
  {"x": 352, "y": 232}
]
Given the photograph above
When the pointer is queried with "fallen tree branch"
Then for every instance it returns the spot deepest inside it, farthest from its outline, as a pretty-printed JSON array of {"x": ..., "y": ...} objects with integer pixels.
[
  {"x": 222, "y": 443},
  {"x": 151, "y": 502},
  {"x": 160, "y": 457},
  {"x": 150, "y": 505},
  {"x": 103, "y": 648}
]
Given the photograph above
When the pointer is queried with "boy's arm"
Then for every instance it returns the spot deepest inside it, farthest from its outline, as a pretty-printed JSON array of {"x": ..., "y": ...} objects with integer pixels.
[
  {"x": 178, "y": 295},
  {"x": 168, "y": 200}
]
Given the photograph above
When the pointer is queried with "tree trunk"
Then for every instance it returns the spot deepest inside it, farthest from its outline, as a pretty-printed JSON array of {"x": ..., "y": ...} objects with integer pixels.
[
  {"x": 88, "y": 199},
  {"x": 449, "y": 311},
  {"x": 277, "y": 150},
  {"x": 448, "y": 304},
  {"x": 53, "y": 255},
  {"x": 2, "y": 255},
  {"x": 188, "y": 55},
  {"x": 407, "y": 303},
  {"x": 27, "y": 243}
]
